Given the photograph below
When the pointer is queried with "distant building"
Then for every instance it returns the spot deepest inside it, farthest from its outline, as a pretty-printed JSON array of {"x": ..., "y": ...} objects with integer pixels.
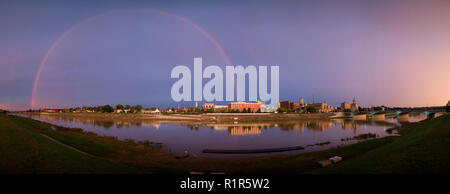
[
  {"x": 50, "y": 110},
  {"x": 346, "y": 106},
  {"x": 354, "y": 106},
  {"x": 295, "y": 106},
  {"x": 290, "y": 105},
  {"x": 286, "y": 104},
  {"x": 322, "y": 107},
  {"x": 184, "y": 109},
  {"x": 206, "y": 107},
  {"x": 240, "y": 106},
  {"x": 220, "y": 108},
  {"x": 268, "y": 108},
  {"x": 150, "y": 111},
  {"x": 156, "y": 111}
]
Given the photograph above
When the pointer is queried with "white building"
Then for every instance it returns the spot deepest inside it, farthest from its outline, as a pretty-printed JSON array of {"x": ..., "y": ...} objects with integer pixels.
[{"x": 157, "y": 111}]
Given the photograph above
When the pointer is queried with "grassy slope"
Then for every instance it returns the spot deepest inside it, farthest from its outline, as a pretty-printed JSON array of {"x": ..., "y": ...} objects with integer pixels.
[
  {"x": 25, "y": 151},
  {"x": 424, "y": 149},
  {"x": 82, "y": 144}
]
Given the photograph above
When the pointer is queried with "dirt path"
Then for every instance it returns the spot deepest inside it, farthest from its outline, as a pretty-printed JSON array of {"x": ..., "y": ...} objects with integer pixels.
[{"x": 67, "y": 146}]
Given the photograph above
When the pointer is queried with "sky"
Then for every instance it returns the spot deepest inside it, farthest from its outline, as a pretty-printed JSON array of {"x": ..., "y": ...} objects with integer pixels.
[{"x": 76, "y": 53}]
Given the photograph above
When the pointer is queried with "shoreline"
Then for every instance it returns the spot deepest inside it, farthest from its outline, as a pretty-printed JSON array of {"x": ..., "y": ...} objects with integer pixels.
[{"x": 207, "y": 118}]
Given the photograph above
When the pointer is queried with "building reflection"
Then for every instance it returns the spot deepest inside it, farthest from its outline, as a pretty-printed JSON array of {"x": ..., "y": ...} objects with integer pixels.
[
  {"x": 238, "y": 129},
  {"x": 348, "y": 124},
  {"x": 193, "y": 127},
  {"x": 105, "y": 123},
  {"x": 312, "y": 125},
  {"x": 244, "y": 130},
  {"x": 320, "y": 125},
  {"x": 241, "y": 129},
  {"x": 256, "y": 128}
]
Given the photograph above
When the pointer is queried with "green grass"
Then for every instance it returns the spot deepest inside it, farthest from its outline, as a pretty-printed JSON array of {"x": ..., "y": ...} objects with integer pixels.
[
  {"x": 23, "y": 150},
  {"x": 82, "y": 144},
  {"x": 423, "y": 148}
]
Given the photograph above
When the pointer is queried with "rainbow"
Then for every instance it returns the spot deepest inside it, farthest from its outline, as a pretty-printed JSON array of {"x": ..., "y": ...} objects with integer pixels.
[{"x": 84, "y": 21}]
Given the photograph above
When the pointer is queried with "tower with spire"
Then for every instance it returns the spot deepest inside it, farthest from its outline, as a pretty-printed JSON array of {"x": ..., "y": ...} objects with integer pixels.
[{"x": 354, "y": 106}]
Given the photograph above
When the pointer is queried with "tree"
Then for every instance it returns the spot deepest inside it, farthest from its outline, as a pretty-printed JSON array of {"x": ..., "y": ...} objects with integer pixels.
[
  {"x": 447, "y": 108},
  {"x": 107, "y": 108},
  {"x": 136, "y": 108},
  {"x": 281, "y": 110},
  {"x": 311, "y": 109},
  {"x": 119, "y": 107}
]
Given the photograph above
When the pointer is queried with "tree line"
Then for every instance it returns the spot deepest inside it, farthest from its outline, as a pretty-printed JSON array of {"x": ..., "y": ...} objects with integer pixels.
[{"x": 106, "y": 108}]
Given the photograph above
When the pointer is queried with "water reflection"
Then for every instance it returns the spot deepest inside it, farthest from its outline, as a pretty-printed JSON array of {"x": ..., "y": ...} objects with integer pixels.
[{"x": 194, "y": 137}]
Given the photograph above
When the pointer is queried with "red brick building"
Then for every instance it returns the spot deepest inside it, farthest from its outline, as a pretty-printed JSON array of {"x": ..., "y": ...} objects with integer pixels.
[
  {"x": 290, "y": 105},
  {"x": 240, "y": 106},
  {"x": 50, "y": 110},
  {"x": 207, "y": 106},
  {"x": 286, "y": 104}
]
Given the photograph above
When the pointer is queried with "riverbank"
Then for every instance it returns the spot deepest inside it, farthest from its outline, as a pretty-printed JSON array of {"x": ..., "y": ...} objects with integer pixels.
[
  {"x": 422, "y": 148},
  {"x": 24, "y": 149},
  {"x": 207, "y": 118}
]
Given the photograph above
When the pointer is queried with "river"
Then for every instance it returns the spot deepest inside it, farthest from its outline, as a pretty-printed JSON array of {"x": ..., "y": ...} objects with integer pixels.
[{"x": 180, "y": 138}]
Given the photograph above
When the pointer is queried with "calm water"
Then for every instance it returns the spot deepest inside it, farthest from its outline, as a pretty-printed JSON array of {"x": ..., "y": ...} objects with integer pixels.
[{"x": 177, "y": 138}]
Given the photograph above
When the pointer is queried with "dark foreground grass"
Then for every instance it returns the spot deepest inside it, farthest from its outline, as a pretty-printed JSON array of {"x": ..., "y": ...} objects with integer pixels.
[
  {"x": 423, "y": 148},
  {"x": 57, "y": 133},
  {"x": 25, "y": 151}
]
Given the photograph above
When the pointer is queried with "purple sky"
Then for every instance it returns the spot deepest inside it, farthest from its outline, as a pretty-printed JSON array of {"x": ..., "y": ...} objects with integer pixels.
[{"x": 394, "y": 53}]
